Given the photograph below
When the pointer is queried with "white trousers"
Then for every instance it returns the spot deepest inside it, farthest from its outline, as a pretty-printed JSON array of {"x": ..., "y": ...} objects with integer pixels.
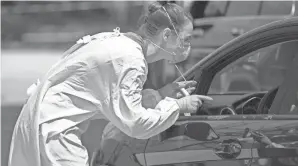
[{"x": 63, "y": 149}]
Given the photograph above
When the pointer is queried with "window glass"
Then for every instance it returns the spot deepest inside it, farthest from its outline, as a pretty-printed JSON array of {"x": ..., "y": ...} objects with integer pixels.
[
  {"x": 243, "y": 8},
  {"x": 261, "y": 70},
  {"x": 276, "y": 7}
]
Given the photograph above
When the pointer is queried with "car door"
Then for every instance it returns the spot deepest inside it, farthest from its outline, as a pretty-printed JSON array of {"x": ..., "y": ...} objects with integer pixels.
[{"x": 223, "y": 138}]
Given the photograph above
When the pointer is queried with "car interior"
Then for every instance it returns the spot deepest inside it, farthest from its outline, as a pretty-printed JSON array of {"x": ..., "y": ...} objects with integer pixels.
[{"x": 277, "y": 64}]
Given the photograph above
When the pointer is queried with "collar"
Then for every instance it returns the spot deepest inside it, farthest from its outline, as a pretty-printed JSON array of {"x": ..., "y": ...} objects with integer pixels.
[{"x": 138, "y": 39}]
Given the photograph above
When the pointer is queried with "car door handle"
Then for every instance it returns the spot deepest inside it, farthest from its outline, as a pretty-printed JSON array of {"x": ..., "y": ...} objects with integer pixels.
[
  {"x": 237, "y": 31},
  {"x": 228, "y": 149}
]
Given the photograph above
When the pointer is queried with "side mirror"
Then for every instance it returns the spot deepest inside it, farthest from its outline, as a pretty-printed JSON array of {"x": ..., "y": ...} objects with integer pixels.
[{"x": 199, "y": 131}]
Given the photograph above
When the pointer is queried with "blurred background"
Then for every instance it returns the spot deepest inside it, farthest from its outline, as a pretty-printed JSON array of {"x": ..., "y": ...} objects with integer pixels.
[{"x": 34, "y": 34}]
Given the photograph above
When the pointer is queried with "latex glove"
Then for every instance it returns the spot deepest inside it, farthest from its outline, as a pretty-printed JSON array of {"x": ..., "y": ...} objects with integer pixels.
[
  {"x": 172, "y": 90},
  {"x": 191, "y": 104}
]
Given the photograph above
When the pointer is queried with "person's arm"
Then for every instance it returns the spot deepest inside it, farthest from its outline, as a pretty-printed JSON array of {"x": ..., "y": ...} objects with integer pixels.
[
  {"x": 150, "y": 98},
  {"x": 127, "y": 112},
  {"x": 173, "y": 90}
]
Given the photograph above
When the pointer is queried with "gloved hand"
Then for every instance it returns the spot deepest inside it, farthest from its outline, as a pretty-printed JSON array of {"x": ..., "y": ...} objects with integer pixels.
[
  {"x": 190, "y": 104},
  {"x": 172, "y": 90}
]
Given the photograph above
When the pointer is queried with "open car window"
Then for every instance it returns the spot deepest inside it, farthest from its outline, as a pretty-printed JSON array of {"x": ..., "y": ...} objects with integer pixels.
[{"x": 261, "y": 70}]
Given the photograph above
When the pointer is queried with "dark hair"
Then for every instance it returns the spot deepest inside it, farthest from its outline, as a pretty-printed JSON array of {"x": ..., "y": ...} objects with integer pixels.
[{"x": 156, "y": 18}]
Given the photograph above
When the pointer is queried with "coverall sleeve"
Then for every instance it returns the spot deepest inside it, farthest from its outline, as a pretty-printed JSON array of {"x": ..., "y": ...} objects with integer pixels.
[
  {"x": 150, "y": 98},
  {"x": 130, "y": 115}
]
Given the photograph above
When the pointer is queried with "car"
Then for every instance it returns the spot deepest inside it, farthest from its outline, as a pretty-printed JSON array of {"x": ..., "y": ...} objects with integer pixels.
[
  {"x": 257, "y": 128},
  {"x": 216, "y": 23}
]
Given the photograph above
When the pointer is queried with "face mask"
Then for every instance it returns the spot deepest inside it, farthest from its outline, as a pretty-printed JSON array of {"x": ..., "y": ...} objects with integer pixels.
[{"x": 182, "y": 53}]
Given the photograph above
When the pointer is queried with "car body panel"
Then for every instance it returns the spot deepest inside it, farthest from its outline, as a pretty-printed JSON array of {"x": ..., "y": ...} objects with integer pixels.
[{"x": 185, "y": 150}]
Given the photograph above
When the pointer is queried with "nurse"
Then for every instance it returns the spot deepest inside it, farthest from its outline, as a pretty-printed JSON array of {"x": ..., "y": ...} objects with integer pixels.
[{"x": 103, "y": 79}]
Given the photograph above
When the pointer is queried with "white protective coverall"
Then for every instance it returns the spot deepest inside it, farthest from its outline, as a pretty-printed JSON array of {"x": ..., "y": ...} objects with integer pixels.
[{"x": 101, "y": 80}]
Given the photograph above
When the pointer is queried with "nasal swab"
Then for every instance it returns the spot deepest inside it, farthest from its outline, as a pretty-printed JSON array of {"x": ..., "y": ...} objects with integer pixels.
[{"x": 183, "y": 90}]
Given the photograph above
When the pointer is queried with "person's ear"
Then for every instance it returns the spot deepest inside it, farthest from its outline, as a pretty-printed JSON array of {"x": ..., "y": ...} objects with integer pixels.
[{"x": 166, "y": 34}]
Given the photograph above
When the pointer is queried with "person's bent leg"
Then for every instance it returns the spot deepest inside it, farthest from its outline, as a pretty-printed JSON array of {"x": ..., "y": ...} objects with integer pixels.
[{"x": 64, "y": 149}]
